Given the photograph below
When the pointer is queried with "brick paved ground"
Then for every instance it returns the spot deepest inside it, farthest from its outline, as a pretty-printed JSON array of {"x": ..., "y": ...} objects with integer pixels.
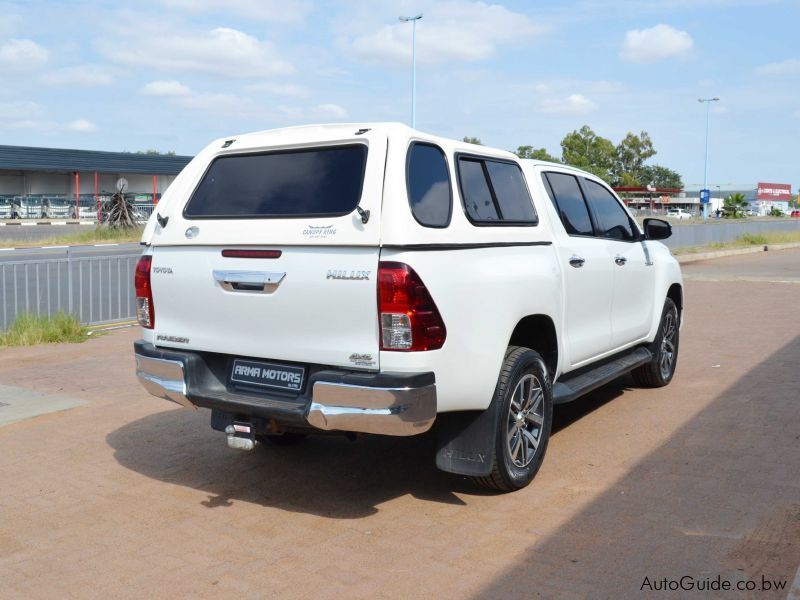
[{"x": 128, "y": 497}]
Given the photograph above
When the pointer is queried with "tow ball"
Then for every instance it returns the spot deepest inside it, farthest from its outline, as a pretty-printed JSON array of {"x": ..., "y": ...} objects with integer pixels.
[{"x": 241, "y": 436}]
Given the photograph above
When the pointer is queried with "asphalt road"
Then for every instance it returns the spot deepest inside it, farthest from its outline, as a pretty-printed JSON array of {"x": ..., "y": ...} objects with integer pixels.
[
  {"x": 127, "y": 496},
  {"x": 96, "y": 282}
]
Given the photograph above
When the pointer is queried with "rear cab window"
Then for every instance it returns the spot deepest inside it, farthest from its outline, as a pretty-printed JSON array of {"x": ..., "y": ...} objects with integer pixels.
[
  {"x": 281, "y": 184},
  {"x": 494, "y": 192}
]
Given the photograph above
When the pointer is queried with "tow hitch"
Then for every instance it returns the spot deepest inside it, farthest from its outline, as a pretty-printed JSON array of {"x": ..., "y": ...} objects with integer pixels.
[{"x": 241, "y": 436}]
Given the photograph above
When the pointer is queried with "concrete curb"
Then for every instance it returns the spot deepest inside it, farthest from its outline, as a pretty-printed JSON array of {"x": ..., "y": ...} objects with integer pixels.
[
  {"x": 690, "y": 258},
  {"x": 30, "y": 223}
]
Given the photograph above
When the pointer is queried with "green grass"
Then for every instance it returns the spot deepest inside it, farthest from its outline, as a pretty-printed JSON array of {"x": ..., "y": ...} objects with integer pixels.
[
  {"x": 98, "y": 234},
  {"x": 28, "y": 330},
  {"x": 745, "y": 241}
]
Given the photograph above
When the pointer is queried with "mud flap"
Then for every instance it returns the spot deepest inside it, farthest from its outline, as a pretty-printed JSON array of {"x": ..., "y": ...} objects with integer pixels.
[{"x": 466, "y": 442}]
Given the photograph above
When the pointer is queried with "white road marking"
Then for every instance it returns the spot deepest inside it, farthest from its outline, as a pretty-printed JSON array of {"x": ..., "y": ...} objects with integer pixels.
[
  {"x": 103, "y": 245},
  {"x": 7, "y": 249},
  {"x": 28, "y": 224},
  {"x": 51, "y": 247}
]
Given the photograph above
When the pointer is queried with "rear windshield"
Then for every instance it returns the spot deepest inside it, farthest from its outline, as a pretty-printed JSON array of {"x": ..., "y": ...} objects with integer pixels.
[{"x": 314, "y": 182}]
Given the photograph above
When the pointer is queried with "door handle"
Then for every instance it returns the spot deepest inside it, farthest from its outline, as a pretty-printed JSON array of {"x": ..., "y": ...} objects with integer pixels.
[
  {"x": 259, "y": 282},
  {"x": 576, "y": 261},
  {"x": 620, "y": 260}
]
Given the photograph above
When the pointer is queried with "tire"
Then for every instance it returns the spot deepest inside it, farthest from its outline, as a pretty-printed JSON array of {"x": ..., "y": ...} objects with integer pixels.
[
  {"x": 660, "y": 371},
  {"x": 282, "y": 439},
  {"x": 518, "y": 456}
]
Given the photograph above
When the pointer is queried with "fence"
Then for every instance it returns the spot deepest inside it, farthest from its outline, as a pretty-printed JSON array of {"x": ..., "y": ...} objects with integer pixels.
[
  {"x": 684, "y": 236},
  {"x": 96, "y": 289},
  {"x": 88, "y": 206}
]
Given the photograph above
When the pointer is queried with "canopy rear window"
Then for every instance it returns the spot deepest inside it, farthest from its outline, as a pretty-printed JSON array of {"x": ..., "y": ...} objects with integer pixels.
[{"x": 289, "y": 183}]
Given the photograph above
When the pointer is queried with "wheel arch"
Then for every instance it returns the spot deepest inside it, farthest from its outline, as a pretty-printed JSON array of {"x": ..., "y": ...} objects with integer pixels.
[
  {"x": 675, "y": 293},
  {"x": 538, "y": 332}
]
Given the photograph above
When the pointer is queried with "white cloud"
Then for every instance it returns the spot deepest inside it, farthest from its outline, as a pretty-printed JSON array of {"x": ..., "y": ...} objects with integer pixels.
[
  {"x": 22, "y": 55},
  {"x": 221, "y": 51},
  {"x": 81, "y": 126},
  {"x": 78, "y": 76},
  {"x": 789, "y": 66},
  {"x": 574, "y": 104},
  {"x": 280, "y": 89},
  {"x": 218, "y": 104},
  {"x": 457, "y": 30},
  {"x": 262, "y": 10},
  {"x": 43, "y": 126},
  {"x": 19, "y": 110},
  {"x": 164, "y": 88},
  {"x": 654, "y": 44}
]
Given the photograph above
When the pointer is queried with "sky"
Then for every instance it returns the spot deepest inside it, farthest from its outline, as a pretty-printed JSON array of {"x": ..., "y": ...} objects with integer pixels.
[{"x": 175, "y": 74}]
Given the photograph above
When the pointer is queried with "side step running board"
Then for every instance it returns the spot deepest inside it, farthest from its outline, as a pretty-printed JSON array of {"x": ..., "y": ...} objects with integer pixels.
[{"x": 569, "y": 387}]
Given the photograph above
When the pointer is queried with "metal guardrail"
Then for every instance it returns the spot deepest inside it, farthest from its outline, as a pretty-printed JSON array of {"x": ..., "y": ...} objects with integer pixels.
[
  {"x": 96, "y": 289},
  {"x": 87, "y": 207},
  {"x": 721, "y": 231}
]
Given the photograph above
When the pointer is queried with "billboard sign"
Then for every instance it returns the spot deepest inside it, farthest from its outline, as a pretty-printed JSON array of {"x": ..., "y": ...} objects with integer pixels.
[
  {"x": 705, "y": 196},
  {"x": 777, "y": 192}
]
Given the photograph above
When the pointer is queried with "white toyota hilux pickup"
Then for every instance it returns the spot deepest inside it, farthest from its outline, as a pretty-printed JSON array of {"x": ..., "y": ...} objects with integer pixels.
[{"x": 372, "y": 278}]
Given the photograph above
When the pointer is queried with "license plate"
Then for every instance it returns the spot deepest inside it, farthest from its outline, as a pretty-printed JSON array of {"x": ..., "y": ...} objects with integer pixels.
[{"x": 268, "y": 375}]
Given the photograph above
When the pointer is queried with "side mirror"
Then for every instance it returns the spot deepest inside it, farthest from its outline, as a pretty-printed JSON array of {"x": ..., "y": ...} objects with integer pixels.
[{"x": 657, "y": 229}]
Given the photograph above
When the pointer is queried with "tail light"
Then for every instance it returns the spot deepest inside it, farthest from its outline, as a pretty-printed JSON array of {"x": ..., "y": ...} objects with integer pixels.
[
  {"x": 144, "y": 293},
  {"x": 409, "y": 318}
]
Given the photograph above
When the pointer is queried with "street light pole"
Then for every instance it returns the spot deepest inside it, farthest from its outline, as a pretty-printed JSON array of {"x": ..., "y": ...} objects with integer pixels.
[
  {"x": 413, "y": 66},
  {"x": 707, "y": 102}
]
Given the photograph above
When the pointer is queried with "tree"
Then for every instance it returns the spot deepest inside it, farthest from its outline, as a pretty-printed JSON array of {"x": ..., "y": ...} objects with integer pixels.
[
  {"x": 535, "y": 153},
  {"x": 472, "y": 140},
  {"x": 631, "y": 154},
  {"x": 733, "y": 205},
  {"x": 586, "y": 150},
  {"x": 119, "y": 213},
  {"x": 661, "y": 177}
]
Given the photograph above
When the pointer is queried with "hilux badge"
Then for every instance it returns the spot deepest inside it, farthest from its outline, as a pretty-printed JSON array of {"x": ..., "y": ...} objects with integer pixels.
[{"x": 347, "y": 274}]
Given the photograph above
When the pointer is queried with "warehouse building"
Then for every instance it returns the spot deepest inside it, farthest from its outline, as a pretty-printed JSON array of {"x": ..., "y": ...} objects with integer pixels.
[{"x": 55, "y": 182}]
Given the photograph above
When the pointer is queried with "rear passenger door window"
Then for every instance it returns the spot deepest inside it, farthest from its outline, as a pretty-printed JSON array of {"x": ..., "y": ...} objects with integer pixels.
[
  {"x": 494, "y": 192},
  {"x": 612, "y": 220},
  {"x": 565, "y": 194},
  {"x": 428, "y": 181}
]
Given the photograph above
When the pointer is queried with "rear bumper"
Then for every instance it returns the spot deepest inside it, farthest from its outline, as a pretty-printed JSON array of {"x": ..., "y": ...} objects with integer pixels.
[{"x": 384, "y": 403}]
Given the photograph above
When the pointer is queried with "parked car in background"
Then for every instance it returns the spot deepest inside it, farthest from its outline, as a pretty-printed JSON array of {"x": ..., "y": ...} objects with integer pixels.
[
  {"x": 795, "y": 213},
  {"x": 29, "y": 207},
  {"x": 86, "y": 209},
  {"x": 55, "y": 208},
  {"x": 8, "y": 208},
  {"x": 678, "y": 213}
]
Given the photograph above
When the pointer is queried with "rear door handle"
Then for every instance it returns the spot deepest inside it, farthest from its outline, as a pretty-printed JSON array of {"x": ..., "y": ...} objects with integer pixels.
[
  {"x": 576, "y": 261},
  {"x": 259, "y": 282},
  {"x": 620, "y": 260}
]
